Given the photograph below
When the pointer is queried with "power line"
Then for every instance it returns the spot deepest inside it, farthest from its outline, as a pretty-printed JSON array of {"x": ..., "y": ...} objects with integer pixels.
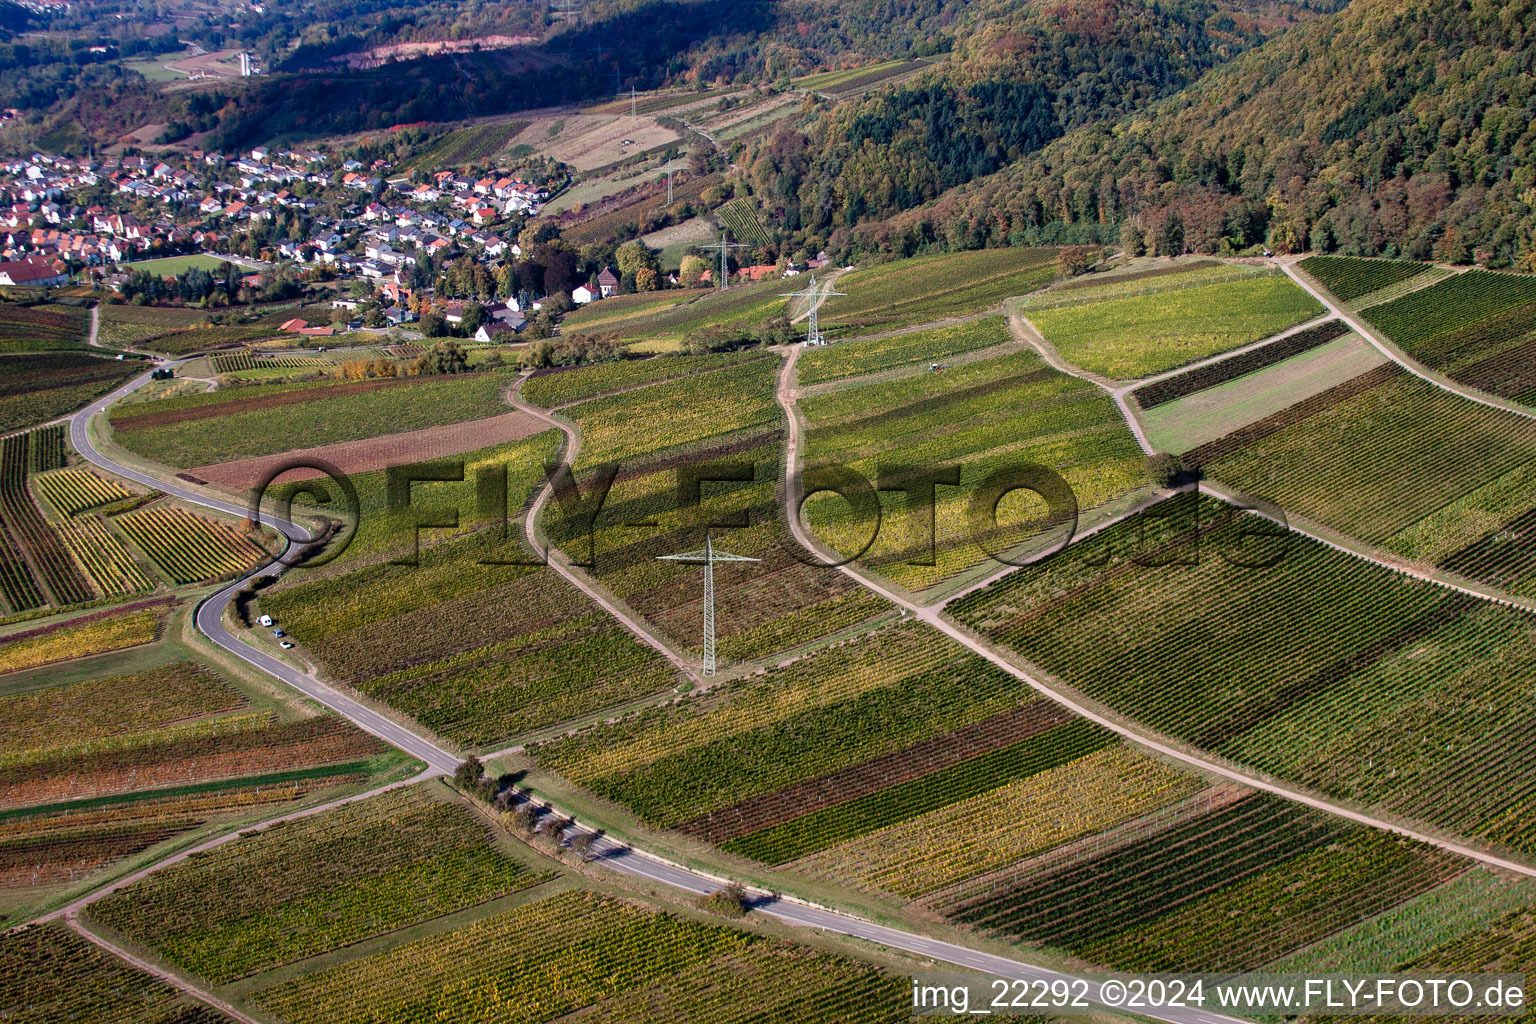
[
  {"x": 814, "y": 294},
  {"x": 724, "y": 247},
  {"x": 707, "y": 556}
]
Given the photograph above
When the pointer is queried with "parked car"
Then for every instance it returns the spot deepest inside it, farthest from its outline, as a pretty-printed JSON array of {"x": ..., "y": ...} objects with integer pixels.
[
  {"x": 286, "y": 645},
  {"x": 279, "y": 633},
  {"x": 266, "y": 620}
]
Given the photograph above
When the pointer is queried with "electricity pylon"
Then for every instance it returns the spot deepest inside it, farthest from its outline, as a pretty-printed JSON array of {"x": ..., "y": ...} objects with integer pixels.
[
  {"x": 724, "y": 248},
  {"x": 707, "y": 556},
  {"x": 814, "y": 295}
]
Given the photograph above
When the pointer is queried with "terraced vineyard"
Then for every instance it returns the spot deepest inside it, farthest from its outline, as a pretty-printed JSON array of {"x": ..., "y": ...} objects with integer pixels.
[
  {"x": 573, "y": 384},
  {"x": 1478, "y": 328},
  {"x": 1321, "y": 669},
  {"x": 363, "y": 869},
  {"x": 1129, "y": 338},
  {"x": 1397, "y": 461},
  {"x": 28, "y": 531},
  {"x": 1189, "y": 896},
  {"x": 37, "y": 386},
  {"x": 189, "y": 548},
  {"x": 41, "y": 328},
  {"x": 76, "y": 638},
  {"x": 929, "y": 288},
  {"x": 981, "y": 416},
  {"x": 581, "y": 950},
  {"x": 914, "y": 350},
  {"x": 739, "y": 217},
  {"x": 1350, "y": 277},
  {"x": 55, "y": 976}
]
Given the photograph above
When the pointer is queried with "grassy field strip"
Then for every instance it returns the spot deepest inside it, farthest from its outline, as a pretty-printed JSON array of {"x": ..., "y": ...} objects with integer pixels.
[
  {"x": 1400, "y": 356},
  {"x": 1181, "y": 425}
]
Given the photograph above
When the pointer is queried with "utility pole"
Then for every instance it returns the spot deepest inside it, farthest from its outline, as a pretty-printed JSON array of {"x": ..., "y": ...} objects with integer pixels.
[
  {"x": 631, "y": 99},
  {"x": 707, "y": 556},
  {"x": 724, "y": 247},
  {"x": 814, "y": 295},
  {"x": 669, "y": 188}
]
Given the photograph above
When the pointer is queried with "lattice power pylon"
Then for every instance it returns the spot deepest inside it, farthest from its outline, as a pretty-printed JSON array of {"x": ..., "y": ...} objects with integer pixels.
[
  {"x": 813, "y": 295},
  {"x": 724, "y": 247},
  {"x": 707, "y": 556}
]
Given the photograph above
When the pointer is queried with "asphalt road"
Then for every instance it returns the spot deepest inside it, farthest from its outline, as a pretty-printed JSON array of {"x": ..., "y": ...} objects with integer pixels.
[{"x": 617, "y": 856}]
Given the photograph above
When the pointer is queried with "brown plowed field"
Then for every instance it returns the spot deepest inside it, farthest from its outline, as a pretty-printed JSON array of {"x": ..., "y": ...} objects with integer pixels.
[{"x": 378, "y": 452}]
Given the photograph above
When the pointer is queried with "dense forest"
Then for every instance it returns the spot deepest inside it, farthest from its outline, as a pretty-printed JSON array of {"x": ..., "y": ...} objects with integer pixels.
[
  {"x": 1021, "y": 75},
  {"x": 1394, "y": 127}
]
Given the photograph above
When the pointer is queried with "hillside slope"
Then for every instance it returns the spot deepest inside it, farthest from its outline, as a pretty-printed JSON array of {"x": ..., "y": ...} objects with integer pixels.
[{"x": 1392, "y": 127}]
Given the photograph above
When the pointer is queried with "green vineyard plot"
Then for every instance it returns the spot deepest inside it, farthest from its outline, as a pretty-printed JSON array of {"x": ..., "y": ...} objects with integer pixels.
[
  {"x": 475, "y": 652},
  {"x": 1323, "y": 669},
  {"x": 1130, "y": 283},
  {"x": 187, "y": 547},
  {"x": 1350, "y": 278},
  {"x": 76, "y": 638},
  {"x": 55, "y": 976},
  {"x": 693, "y": 764},
  {"x": 577, "y": 383},
  {"x": 929, "y": 288},
  {"x": 911, "y": 350},
  {"x": 776, "y": 604},
  {"x": 983, "y": 416},
  {"x": 115, "y": 757},
  {"x": 41, "y": 328},
  {"x": 576, "y": 950},
  {"x": 1129, "y": 338},
  {"x": 363, "y": 869},
  {"x": 1478, "y": 328},
  {"x": 677, "y": 414},
  {"x": 38, "y": 386},
  {"x": 276, "y": 418},
  {"x": 739, "y": 217},
  {"x": 1205, "y": 892},
  {"x": 1397, "y": 461},
  {"x": 28, "y": 531},
  {"x": 1218, "y": 411},
  {"x": 73, "y": 491}
]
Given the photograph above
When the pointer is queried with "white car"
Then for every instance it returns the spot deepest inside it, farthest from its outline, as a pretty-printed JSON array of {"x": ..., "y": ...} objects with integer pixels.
[{"x": 286, "y": 645}]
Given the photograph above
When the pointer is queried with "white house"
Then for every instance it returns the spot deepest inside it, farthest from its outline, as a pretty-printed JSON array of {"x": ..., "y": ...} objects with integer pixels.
[{"x": 582, "y": 295}]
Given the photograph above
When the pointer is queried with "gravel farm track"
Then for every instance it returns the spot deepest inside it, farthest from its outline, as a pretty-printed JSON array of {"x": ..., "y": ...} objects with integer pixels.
[{"x": 651, "y": 868}]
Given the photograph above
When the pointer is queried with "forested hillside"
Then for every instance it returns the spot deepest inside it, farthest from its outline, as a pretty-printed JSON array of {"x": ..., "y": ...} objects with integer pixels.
[
  {"x": 1393, "y": 127},
  {"x": 1020, "y": 76}
]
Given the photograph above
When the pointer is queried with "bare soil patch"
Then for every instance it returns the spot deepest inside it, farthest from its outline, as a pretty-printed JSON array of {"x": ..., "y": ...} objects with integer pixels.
[{"x": 379, "y": 452}]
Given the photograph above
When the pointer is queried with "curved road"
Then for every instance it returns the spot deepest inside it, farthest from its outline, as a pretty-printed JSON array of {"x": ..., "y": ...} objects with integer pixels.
[{"x": 612, "y": 853}]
